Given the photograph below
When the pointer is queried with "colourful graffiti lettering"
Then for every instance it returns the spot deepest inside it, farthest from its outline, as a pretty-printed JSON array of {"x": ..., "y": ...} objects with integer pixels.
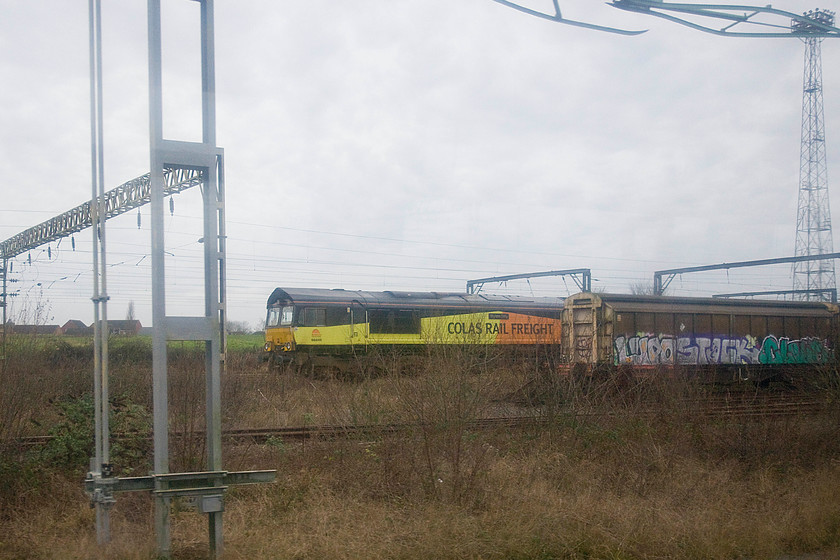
[
  {"x": 784, "y": 351},
  {"x": 702, "y": 350}
]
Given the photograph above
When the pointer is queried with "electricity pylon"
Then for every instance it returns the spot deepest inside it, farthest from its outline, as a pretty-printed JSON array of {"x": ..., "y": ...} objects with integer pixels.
[{"x": 815, "y": 278}]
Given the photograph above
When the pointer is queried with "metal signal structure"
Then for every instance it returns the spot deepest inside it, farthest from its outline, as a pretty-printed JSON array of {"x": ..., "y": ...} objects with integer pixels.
[
  {"x": 813, "y": 279},
  {"x": 205, "y": 163}
]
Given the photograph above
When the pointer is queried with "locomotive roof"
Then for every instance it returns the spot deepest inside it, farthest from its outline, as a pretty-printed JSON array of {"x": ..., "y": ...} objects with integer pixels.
[
  {"x": 437, "y": 300},
  {"x": 651, "y": 303}
]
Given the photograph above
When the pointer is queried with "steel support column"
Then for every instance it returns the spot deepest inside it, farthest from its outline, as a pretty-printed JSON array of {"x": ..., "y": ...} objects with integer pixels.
[
  {"x": 3, "y": 296},
  {"x": 100, "y": 465},
  {"x": 206, "y": 158}
]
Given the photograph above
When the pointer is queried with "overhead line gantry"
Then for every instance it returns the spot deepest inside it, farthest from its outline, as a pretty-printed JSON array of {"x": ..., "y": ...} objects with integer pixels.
[{"x": 119, "y": 200}]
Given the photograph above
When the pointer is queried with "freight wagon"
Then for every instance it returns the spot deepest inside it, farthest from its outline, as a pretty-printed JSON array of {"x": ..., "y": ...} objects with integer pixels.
[
  {"x": 727, "y": 339},
  {"x": 321, "y": 327}
]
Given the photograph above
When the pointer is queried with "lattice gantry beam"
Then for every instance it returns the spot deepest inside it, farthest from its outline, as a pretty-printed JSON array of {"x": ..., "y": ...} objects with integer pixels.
[
  {"x": 581, "y": 276},
  {"x": 118, "y": 200},
  {"x": 662, "y": 278}
]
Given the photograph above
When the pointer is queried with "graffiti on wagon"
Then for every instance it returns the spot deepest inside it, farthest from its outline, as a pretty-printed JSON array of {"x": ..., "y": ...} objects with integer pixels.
[{"x": 704, "y": 350}]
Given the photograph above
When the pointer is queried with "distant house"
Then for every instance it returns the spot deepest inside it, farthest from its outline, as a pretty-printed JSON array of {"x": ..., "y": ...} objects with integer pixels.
[
  {"x": 125, "y": 326},
  {"x": 35, "y": 329},
  {"x": 74, "y": 327}
]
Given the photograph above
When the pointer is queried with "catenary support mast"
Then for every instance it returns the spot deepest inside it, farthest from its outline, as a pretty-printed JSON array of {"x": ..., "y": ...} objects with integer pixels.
[{"x": 813, "y": 279}]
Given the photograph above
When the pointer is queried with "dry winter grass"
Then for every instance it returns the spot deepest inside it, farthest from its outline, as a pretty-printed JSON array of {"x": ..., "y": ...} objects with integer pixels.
[{"x": 599, "y": 477}]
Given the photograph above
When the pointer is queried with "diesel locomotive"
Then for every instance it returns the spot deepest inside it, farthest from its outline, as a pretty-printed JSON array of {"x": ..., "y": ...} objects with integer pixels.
[{"x": 321, "y": 327}]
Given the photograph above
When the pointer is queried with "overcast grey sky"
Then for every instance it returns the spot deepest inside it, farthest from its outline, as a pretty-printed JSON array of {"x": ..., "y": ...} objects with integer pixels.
[{"x": 412, "y": 145}]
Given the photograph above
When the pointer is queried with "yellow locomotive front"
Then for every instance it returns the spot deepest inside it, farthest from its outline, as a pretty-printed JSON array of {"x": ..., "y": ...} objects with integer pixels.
[{"x": 279, "y": 334}]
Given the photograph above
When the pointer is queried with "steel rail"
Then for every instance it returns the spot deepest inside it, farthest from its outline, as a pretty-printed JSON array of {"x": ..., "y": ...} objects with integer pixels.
[{"x": 772, "y": 406}]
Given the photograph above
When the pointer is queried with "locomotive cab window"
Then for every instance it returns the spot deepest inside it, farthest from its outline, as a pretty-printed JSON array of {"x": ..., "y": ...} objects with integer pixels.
[
  {"x": 313, "y": 317},
  {"x": 339, "y": 315},
  {"x": 286, "y": 316},
  {"x": 273, "y": 317},
  {"x": 394, "y": 321},
  {"x": 280, "y": 316}
]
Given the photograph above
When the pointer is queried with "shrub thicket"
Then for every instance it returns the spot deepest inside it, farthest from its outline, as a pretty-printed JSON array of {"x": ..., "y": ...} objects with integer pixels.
[{"x": 616, "y": 467}]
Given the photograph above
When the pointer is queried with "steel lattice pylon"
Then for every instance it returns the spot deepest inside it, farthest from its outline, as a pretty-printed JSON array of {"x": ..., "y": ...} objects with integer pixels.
[{"x": 813, "y": 218}]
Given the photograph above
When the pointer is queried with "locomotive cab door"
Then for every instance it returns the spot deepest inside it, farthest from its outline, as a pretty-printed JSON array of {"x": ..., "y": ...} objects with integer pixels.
[{"x": 358, "y": 324}]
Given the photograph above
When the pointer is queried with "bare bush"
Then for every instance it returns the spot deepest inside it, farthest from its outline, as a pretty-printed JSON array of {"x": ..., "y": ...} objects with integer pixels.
[{"x": 452, "y": 388}]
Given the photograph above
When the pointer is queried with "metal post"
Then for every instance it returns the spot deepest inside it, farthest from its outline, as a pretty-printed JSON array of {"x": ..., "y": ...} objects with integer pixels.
[
  {"x": 3, "y": 302},
  {"x": 100, "y": 464},
  {"x": 213, "y": 302},
  {"x": 159, "y": 373}
]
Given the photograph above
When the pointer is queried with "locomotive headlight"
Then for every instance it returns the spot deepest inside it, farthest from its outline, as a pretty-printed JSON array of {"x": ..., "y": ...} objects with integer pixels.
[
  {"x": 288, "y": 346},
  {"x": 267, "y": 346}
]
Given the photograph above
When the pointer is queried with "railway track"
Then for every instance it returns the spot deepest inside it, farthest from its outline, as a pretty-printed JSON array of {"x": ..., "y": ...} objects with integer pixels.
[{"x": 719, "y": 407}]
